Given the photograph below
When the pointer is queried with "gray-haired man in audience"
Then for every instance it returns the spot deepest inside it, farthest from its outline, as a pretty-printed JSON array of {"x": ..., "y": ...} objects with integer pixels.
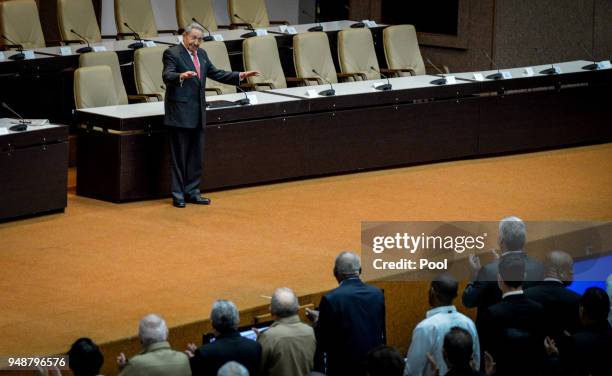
[
  {"x": 156, "y": 357},
  {"x": 233, "y": 369},
  {"x": 288, "y": 347}
]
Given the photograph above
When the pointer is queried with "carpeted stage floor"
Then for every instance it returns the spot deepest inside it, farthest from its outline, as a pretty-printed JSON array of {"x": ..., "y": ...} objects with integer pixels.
[{"x": 99, "y": 267}]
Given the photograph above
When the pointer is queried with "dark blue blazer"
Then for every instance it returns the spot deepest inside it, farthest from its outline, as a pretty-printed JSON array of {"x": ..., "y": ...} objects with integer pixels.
[
  {"x": 351, "y": 323},
  {"x": 185, "y": 104},
  {"x": 227, "y": 347}
]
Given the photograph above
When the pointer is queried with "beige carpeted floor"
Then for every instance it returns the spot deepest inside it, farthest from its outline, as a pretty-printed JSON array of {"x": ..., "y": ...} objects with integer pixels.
[{"x": 99, "y": 267}]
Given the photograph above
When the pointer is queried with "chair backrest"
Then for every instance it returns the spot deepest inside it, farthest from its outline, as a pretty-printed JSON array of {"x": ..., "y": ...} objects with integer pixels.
[
  {"x": 217, "y": 53},
  {"x": 93, "y": 87},
  {"x": 80, "y": 16},
  {"x": 20, "y": 22},
  {"x": 201, "y": 10},
  {"x": 261, "y": 54},
  {"x": 110, "y": 59},
  {"x": 356, "y": 52},
  {"x": 253, "y": 11},
  {"x": 138, "y": 14},
  {"x": 148, "y": 68},
  {"x": 402, "y": 48},
  {"x": 311, "y": 51}
]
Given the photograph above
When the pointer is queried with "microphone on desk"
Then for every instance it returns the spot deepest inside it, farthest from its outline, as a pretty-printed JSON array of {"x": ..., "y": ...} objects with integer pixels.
[
  {"x": 358, "y": 25},
  {"x": 18, "y": 56},
  {"x": 82, "y": 49},
  {"x": 135, "y": 45},
  {"x": 384, "y": 87},
  {"x": 23, "y": 123},
  {"x": 244, "y": 101},
  {"x": 250, "y": 34},
  {"x": 439, "y": 81},
  {"x": 592, "y": 66},
  {"x": 314, "y": 28},
  {"x": 549, "y": 71},
  {"x": 494, "y": 76},
  {"x": 206, "y": 38},
  {"x": 329, "y": 92}
]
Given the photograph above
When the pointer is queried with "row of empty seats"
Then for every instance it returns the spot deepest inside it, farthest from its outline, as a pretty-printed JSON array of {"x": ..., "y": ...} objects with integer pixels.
[
  {"x": 20, "y": 22},
  {"x": 311, "y": 52}
]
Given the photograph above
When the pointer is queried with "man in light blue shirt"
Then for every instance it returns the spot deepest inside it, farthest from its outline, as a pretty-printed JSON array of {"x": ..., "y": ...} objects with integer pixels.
[{"x": 428, "y": 336}]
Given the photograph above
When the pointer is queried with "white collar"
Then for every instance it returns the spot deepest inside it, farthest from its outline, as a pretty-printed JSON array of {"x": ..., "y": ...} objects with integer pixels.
[
  {"x": 513, "y": 253},
  {"x": 443, "y": 309},
  {"x": 550, "y": 279},
  {"x": 510, "y": 293}
]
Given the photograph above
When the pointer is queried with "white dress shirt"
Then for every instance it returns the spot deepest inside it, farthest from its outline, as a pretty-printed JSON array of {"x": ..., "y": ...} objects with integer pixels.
[{"x": 428, "y": 337}]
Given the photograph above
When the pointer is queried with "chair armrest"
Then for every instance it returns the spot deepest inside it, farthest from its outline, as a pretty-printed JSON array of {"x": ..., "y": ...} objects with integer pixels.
[
  {"x": 215, "y": 89},
  {"x": 398, "y": 71},
  {"x": 108, "y": 36},
  {"x": 73, "y": 41},
  {"x": 256, "y": 85},
  {"x": 297, "y": 80},
  {"x": 55, "y": 43},
  {"x": 279, "y": 22},
  {"x": 354, "y": 75},
  {"x": 141, "y": 97},
  {"x": 237, "y": 25},
  {"x": 316, "y": 79},
  {"x": 173, "y": 32},
  {"x": 224, "y": 26},
  {"x": 120, "y": 36}
]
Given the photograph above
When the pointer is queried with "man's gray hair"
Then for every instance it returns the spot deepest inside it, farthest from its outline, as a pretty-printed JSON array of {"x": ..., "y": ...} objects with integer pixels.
[
  {"x": 224, "y": 316},
  {"x": 232, "y": 369},
  {"x": 347, "y": 264},
  {"x": 193, "y": 26},
  {"x": 512, "y": 234},
  {"x": 284, "y": 303},
  {"x": 152, "y": 329}
]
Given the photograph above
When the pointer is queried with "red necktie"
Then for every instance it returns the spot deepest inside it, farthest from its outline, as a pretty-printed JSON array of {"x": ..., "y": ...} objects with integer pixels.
[{"x": 196, "y": 63}]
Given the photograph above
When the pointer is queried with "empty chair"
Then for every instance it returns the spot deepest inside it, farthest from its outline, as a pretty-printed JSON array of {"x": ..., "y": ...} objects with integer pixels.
[
  {"x": 356, "y": 53},
  {"x": 19, "y": 22},
  {"x": 312, "y": 51},
  {"x": 402, "y": 50},
  {"x": 93, "y": 87},
  {"x": 110, "y": 59},
  {"x": 201, "y": 10},
  {"x": 261, "y": 54},
  {"x": 148, "y": 69},
  {"x": 217, "y": 53},
  {"x": 77, "y": 15},
  {"x": 255, "y": 12},
  {"x": 139, "y": 15}
]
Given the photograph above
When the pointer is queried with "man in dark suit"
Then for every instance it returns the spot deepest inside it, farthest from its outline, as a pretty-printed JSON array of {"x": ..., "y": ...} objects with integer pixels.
[
  {"x": 512, "y": 330},
  {"x": 560, "y": 304},
  {"x": 483, "y": 290},
  {"x": 228, "y": 345},
  {"x": 186, "y": 67},
  {"x": 350, "y": 321}
]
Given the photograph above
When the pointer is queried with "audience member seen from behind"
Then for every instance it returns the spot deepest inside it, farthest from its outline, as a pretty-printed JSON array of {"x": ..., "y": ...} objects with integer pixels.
[
  {"x": 233, "y": 369},
  {"x": 384, "y": 361},
  {"x": 85, "y": 358}
]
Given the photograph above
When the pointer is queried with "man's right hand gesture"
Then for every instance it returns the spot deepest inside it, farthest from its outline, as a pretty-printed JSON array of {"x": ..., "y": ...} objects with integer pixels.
[{"x": 187, "y": 75}]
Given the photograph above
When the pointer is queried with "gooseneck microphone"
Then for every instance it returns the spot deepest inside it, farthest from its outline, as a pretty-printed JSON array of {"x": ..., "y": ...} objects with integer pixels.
[
  {"x": 325, "y": 93},
  {"x": 18, "y": 56},
  {"x": 135, "y": 45},
  {"x": 82, "y": 50},
  {"x": 250, "y": 34},
  {"x": 439, "y": 81},
  {"x": 494, "y": 76},
  {"x": 592, "y": 66},
  {"x": 23, "y": 123},
  {"x": 384, "y": 87},
  {"x": 316, "y": 20},
  {"x": 244, "y": 101},
  {"x": 206, "y": 38}
]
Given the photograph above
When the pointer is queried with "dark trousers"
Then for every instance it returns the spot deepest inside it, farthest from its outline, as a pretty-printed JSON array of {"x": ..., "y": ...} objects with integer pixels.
[{"x": 185, "y": 161}]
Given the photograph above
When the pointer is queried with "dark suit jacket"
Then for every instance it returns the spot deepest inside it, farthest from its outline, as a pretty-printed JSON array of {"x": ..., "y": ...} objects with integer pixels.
[
  {"x": 232, "y": 346},
  {"x": 351, "y": 322},
  {"x": 591, "y": 350},
  {"x": 484, "y": 292},
  {"x": 560, "y": 307},
  {"x": 512, "y": 334},
  {"x": 185, "y": 104}
]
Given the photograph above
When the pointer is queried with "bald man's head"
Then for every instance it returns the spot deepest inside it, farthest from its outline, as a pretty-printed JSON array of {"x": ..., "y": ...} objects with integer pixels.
[
  {"x": 559, "y": 265},
  {"x": 347, "y": 265},
  {"x": 443, "y": 290},
  {"x": 284, "y": 303}
]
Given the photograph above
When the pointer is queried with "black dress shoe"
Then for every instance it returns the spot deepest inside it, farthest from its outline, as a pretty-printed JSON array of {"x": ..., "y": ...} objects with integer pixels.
[
  {"x": 178, "y": 203},
  {"x": 199, "y": 200}
]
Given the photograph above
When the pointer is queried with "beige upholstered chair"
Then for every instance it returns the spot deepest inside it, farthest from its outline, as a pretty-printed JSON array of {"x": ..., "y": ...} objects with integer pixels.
[
  {"x": 254, "y": 12},
  {"x": 110, "y": 59},
  {"x": 217, "y": 53},
  {"x": 356, "y": 53},
  {"x": 139, "y": 15},
  {"x": 78, "y": 15},
  {"x": 311, "y": 51},
  {"x": 201, "y": 10},
  {"x": 402, "y": 50},
  {"x": 19, "y": 21},
  {"x": 148, "y": 67},
  {"x": 93, "y": 87},
  {"x": 261, "y": 54}
]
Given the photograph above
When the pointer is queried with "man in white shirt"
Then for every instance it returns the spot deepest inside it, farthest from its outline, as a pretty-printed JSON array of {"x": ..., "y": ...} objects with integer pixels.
[{"x": 428, "y": 336}]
